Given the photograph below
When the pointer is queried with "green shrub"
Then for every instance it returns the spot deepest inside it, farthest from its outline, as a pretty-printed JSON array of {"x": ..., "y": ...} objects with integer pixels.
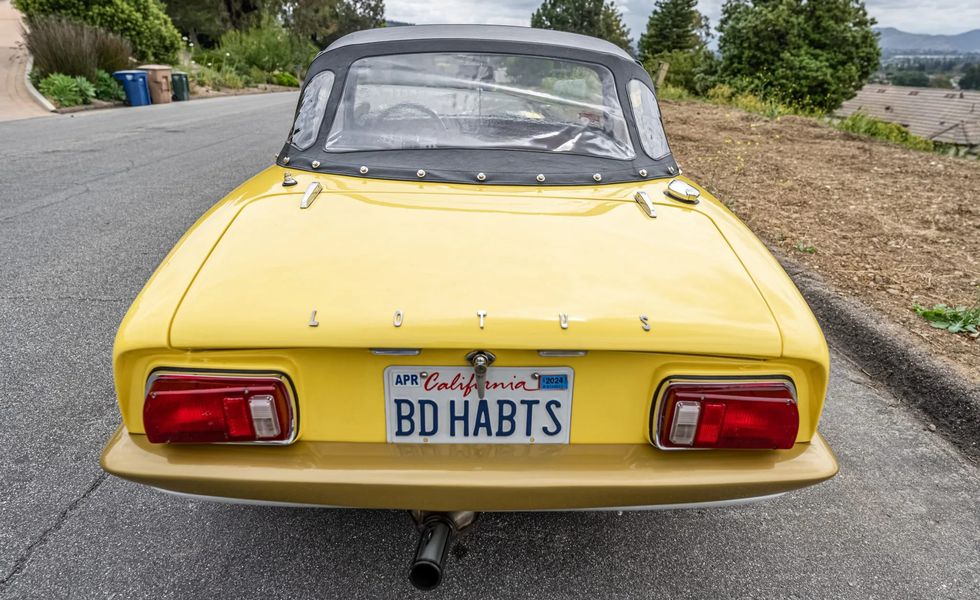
[
  {"x": 256, "y": 76},
  {"x": 862, "y": 124},
  {"x": 217, "y": 80},
  {"x": 268, "y": 47},
  {"x": 670, "y": 92},
  {"x": 766, "y": 107},
  {"x": 721, "y": 93},
  {"x": 285, "y": 79},
  {"x": 232, "y": 80},
  {"x": 107, "y": 88},
  {"x": 85, "y": 89},
  {"x": 692, "y": 70},
  {"x": 143, "y": 22},
  {"x": 61, "y": 89}
]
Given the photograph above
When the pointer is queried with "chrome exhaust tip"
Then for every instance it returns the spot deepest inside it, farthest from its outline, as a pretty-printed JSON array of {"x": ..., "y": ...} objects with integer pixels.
[{"x": 437, "y": 530}]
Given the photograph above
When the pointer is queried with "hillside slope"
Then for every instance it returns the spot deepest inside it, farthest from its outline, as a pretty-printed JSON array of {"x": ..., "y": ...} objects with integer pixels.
[
  {"x": 896, "y": 40},
  {"x": 888, "y": 225}
]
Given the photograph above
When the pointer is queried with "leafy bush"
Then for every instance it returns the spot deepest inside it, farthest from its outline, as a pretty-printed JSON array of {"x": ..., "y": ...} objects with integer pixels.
[
  {"x": 670, "y": 92},
  {"x": 721, "y": 93},
  {"x": 689, "y": 69},
  {"x": 268, "y": 47},
  {"x": 61, "y": 89},
  {"x": 63, "y": 46},
  {"x": 862, "y": 124},
  {"x": 85, "y": 89},
  {"x": 285, "y": 79},
  {"x": 107, "y": 88},
  {"x": 217, "y": 80},
  {"x": 143, "y": 22}
]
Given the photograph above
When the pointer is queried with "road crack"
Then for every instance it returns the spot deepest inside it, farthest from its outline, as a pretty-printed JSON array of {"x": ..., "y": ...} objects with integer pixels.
[{"x": 21, "y": 563}]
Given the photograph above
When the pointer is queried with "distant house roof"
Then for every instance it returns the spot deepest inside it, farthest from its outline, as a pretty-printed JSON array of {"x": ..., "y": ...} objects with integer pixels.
[
  {"x": 507, "y": 33},
  {"x": 949, "y": 116}
]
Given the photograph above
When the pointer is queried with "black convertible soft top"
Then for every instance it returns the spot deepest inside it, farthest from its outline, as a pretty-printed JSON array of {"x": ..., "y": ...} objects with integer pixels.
[{"x": 461, "y": 165}]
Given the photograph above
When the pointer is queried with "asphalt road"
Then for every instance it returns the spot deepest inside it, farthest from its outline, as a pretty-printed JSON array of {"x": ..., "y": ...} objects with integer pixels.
[{"x": 90, "y": 204}]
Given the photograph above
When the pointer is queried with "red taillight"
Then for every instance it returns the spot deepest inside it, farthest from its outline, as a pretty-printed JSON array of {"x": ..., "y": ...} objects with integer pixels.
[
  {"x": 739, "y": 414},
  {"x": 211, "y": 408}
]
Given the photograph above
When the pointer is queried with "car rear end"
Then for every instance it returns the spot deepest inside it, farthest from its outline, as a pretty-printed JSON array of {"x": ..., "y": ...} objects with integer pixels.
[{"x": 623, "y": 448}]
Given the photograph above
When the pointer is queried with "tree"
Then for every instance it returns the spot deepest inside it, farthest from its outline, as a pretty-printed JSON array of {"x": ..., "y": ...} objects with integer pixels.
[
  {"x": 812, "y": 54},
  {"x": 971, "y": 78},
  {"x": 323, "y": 21},
  {"x": 243, "y": 14},
  {"x": 143, "y": 22},
  {"x": 200, "y": 21},
  {"x": 597, "y": 18},
  {"x": 908, "y": 77},
  {"x": 674, "y": 25}
]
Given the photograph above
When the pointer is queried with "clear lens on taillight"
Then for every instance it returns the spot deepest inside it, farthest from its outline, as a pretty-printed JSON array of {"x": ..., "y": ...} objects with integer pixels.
[
  {"x": 736, "y": 414},
  {"x": 202, "y": 408}
]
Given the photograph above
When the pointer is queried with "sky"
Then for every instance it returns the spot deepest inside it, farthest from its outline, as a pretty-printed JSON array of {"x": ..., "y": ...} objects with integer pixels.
[{"x": 915, "y": 16}]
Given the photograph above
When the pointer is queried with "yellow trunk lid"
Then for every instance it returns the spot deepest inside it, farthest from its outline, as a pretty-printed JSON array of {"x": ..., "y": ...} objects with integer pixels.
[{"x": 440, "y": 258}]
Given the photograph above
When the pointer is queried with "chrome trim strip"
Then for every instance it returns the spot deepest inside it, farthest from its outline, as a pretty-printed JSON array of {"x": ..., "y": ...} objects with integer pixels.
[
  {"x": 396, "y": 351},
  {"x": 560, "y": 353},
  {"x": 685, "y": 505},
  {"x": 650, "y": 507},
  {"x": 227, "y": 500}
]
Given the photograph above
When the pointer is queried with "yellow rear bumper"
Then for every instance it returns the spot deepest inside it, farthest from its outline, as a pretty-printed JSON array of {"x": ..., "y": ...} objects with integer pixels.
[{"x": 467, "y": 477}]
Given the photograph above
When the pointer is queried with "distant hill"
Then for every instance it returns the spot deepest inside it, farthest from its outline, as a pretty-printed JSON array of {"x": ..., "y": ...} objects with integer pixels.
[{"x": 896, "y": 40}]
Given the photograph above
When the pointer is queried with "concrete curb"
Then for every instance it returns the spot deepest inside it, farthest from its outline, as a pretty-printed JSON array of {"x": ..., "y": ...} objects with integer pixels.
[
  {"x": 890, "y": 354},
  {"x": 38, "y": 96}
]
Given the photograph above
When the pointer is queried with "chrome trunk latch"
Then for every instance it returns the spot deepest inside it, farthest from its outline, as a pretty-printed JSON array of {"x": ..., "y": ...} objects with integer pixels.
[{"x": 481, "y": 361}]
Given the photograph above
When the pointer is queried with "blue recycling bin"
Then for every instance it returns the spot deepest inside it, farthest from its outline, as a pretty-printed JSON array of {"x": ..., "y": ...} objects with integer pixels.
[{"x": 135, "y": 86}]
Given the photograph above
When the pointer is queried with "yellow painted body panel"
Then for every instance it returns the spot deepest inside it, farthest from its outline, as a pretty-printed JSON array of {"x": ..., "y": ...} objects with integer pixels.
[
  {"x": 468, "y": 477},
  {"x": 237, "y": 291},
  {"x": 440, "y": 256}
]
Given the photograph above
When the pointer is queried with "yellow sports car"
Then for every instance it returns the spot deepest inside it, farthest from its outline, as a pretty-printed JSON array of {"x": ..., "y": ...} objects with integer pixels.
[{"x": 474, "y": 280}]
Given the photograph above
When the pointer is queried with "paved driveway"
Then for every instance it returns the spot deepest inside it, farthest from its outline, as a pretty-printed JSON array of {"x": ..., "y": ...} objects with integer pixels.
[{"x": 90, "y": 204}]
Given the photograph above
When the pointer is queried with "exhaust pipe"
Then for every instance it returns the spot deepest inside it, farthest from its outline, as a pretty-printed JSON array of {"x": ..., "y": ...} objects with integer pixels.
[{"x": 437, "y": 531}]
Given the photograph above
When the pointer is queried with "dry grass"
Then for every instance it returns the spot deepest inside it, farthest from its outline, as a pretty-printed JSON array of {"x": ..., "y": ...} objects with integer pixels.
[
  {"x": 888, "y": 225},
  {"x": 63, "y": 46}
]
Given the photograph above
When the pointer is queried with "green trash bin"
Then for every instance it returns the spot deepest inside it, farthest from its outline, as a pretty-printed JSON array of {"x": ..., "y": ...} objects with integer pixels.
[{"x": 181, "y": 86}]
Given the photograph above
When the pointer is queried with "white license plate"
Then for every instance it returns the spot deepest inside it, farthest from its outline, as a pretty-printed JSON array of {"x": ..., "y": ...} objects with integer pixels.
[{"x": 441, "y": 405}]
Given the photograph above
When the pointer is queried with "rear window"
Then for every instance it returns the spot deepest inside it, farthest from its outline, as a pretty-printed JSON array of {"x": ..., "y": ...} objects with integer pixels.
[
  {"x": 469, "y": 100},
  {"x": 647, "y": 115},
  {"x": 311, "y": 111}
]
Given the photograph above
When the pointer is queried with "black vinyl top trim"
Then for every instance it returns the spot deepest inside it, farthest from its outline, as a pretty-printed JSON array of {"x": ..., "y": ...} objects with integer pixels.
[{"x": 462, "y": 165}]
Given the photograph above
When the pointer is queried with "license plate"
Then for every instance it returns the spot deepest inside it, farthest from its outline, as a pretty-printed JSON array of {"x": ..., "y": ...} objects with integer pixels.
[{"x": 441, "y": 405}]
